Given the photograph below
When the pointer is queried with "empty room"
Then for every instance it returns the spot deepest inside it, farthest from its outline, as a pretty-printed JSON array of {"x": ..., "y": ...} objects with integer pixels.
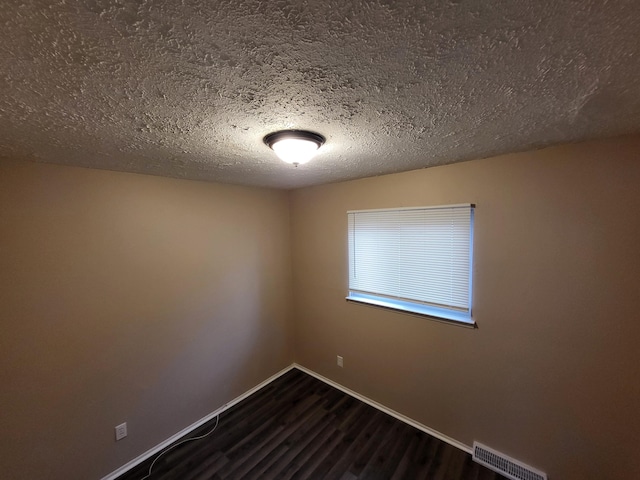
[{"x": 307, "y": 240}]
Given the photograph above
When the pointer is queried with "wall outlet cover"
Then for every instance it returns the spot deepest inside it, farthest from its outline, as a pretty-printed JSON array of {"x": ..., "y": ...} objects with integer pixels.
[{"x": 121, "y": 431}]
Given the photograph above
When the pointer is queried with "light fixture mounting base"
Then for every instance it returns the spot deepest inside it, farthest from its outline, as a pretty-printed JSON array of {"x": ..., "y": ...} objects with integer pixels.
[{"x": 272, "y": 138}]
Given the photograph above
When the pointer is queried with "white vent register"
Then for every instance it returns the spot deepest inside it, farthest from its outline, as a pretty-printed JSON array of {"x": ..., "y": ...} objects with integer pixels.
[{"x": 507, "y": 466}]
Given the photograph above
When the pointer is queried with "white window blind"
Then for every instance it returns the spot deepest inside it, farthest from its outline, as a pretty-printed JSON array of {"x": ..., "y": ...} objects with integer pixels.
[{"x": 418, "y": 257}]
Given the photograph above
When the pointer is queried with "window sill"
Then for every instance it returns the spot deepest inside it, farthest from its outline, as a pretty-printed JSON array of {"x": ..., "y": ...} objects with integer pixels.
[{"x": 432, "y": 313}]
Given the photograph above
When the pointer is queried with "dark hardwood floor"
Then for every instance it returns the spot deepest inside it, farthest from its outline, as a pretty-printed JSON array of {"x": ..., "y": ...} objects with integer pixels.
[{"x": 298, "y": 427}]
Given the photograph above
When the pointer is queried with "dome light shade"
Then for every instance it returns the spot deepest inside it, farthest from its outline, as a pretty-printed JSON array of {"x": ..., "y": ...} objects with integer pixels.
[{"x": 294, "y": 146}]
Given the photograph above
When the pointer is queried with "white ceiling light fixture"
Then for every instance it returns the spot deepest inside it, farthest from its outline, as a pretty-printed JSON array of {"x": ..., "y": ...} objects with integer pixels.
[{"x": 294, "y": 146}]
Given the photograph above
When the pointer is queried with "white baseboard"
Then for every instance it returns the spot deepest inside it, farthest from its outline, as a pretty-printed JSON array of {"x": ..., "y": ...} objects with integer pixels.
[
  {"x": 161, "y": 446},
  {"x": 393, "y": 413}
]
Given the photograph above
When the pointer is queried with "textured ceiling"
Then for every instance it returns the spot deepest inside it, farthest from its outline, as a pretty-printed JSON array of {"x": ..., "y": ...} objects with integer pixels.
[{"x": 188, "y": 89}]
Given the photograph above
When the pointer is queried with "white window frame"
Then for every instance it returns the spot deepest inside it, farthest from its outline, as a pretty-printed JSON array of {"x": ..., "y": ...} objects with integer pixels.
[{"x": 386, "y": 227}]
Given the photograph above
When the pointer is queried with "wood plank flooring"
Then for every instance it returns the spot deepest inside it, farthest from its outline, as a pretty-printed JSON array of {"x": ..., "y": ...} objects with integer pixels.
[{"x": 298, "y": 427}]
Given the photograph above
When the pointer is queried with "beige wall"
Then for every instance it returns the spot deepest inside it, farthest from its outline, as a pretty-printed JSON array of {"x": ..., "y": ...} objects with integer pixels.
[
  {"x": 130, "y": 298},
  {"x": 552, "y": 374},
  {"x": 155, "y": 301}
]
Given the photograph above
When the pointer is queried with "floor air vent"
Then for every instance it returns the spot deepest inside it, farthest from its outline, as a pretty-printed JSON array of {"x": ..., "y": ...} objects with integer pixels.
[{"x": 504, "y": 465}]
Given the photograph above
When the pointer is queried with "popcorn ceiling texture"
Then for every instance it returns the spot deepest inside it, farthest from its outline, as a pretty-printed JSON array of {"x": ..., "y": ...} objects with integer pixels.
[{"x": 188, "y": 89}]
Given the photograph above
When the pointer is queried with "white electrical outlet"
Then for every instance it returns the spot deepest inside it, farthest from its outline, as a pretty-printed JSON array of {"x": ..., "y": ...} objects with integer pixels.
[
  {"x": 121, "y": 431},
  {"x": 340, "y": 361}
]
